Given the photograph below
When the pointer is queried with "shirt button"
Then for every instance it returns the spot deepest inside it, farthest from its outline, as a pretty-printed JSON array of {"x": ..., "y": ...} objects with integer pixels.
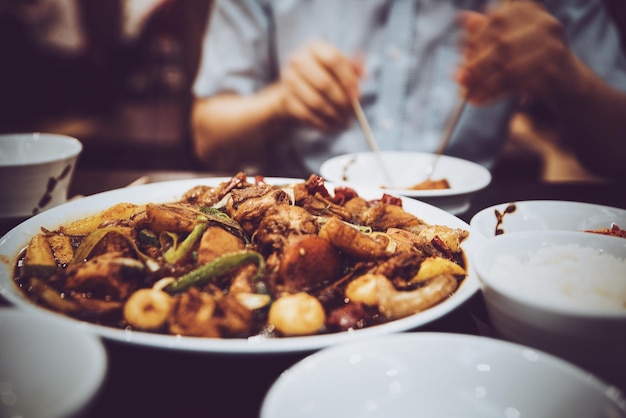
[
  {"x": 388, "y": 123},
  {"x": 394, "y": 53}
]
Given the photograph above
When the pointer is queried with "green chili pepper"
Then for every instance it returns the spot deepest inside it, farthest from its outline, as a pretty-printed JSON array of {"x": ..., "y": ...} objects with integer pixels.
[
  {"x": 177, "y": 252},
  {"x": 215, "y": 268}
]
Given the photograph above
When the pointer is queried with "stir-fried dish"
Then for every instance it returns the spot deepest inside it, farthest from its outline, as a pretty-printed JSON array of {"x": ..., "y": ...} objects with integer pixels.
[{"x": 245, "y": 258}]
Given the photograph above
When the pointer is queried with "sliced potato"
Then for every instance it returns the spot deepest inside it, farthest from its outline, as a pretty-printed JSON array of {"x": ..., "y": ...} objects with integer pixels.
[
  {"x": 120, "y": 211},
  {"x": 39, "y": 260},
  {"x": 171, "y": 217},
  {"x": 434, "y": 266},
  {"x": 61, "y": 248}
]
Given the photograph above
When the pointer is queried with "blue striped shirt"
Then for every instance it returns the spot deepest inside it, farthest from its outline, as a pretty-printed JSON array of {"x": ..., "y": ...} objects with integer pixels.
[{"x": 411, "y": 50}]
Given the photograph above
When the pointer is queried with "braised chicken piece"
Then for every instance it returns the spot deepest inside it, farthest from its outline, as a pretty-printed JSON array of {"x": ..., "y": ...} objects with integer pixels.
[
  {"x": 399, "y": 269},
  {"x": 238, "y": 181},
  {"x": 248, "y": 206},
  {"x": 110, "y": 276},
  {"x": 381, "y": 216},
  {"x": 299, "y": 258},
  {"x": 208, "y": 196},
  {"x": 406, "y": 241},
  {"x": 441, "y": 241},
  {"x": 201, "y": 196},
  {"x": 209, "y": 314},
  {"x": 314, "y": 197},
  {"x": 101, "y": 284},
  {"x": 353, "y": 242},
  {"x": 281, "y": 223},
  {"x": 192, "y": 315}
]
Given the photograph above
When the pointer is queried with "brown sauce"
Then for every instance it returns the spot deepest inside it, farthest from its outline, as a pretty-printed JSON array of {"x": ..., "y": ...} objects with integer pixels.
[{"x": 500, "y": 217}]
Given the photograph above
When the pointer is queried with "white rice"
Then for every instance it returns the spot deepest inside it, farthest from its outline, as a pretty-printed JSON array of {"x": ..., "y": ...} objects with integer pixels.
[{"x": 567, "y": 275}]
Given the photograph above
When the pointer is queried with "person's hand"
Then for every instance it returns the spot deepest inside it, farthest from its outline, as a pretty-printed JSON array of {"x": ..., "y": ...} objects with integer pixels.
[
  {"x": 517, "y": 48},
  {"x": 318, "y": 85}
]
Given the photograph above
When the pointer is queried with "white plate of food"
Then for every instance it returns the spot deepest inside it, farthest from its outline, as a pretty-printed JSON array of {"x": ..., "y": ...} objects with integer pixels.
[
  {"x": 453, "y": 180},
  {"x": 531, "y": 215},
  {"x": 438, "y": 375},
  {"x": 100, "y": 300}
]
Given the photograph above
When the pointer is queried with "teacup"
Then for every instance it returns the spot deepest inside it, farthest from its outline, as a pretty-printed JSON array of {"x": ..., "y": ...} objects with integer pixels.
[{"x": 35, "y": 172}]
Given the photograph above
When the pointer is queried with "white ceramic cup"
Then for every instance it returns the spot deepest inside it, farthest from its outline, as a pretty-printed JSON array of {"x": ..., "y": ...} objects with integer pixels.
[{"x": 35, "y": 172}]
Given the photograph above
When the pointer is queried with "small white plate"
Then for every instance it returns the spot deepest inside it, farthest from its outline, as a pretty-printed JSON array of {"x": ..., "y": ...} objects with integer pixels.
[
  {"x": 407, "y": 169},
  {"x": 438, "y": 375},
  {"x": 17, "y": 239},
  {"x": 531, "y": 215}
]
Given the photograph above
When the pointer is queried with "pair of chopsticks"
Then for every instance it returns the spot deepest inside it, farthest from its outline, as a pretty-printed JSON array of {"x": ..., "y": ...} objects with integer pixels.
[
  {"x": 452, "y": 124},
  {"x": 371, "y": 139},
  {"x": 454, "y": 121}
]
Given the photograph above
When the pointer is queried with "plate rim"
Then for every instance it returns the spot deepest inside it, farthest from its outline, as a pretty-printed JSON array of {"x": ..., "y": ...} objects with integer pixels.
[{"x": 486, "y": 175}]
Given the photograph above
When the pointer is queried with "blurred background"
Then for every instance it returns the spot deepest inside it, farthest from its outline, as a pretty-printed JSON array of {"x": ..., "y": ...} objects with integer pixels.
[{"x": 117, "y": 74}]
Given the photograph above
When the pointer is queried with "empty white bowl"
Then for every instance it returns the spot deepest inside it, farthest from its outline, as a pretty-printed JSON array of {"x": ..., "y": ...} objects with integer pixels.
[
  {"x": 48, "y": 369},
  {"x": 438, "y": 375},
  {"x": 559, "y": 291},
  {"x": 530, "y": 215},
  {"x": 35, "y": 172},
  {"x": 406, "y": 169}
]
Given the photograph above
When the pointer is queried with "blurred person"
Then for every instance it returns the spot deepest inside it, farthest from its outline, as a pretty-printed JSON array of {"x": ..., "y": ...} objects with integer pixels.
[
  {"x": 277, "y": 79},
  {"x": 52, "y": 24},
  {"x": 43, "y": 45}
]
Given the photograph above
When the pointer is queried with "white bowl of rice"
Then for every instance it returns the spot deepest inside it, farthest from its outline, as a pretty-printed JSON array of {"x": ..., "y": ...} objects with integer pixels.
[{"x": 559, "y": 291}]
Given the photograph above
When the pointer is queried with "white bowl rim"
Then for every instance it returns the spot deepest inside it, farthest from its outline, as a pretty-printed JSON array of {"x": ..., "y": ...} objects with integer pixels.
[
  {"x": 489, "y": 211},
  {"x": 485, "y": 174},
  {"x": 95, "y": 375},
  {"x": 486, "y": 280},
  {"x": 73, "y": 151},
  {"x": 455, "y": 340}
]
